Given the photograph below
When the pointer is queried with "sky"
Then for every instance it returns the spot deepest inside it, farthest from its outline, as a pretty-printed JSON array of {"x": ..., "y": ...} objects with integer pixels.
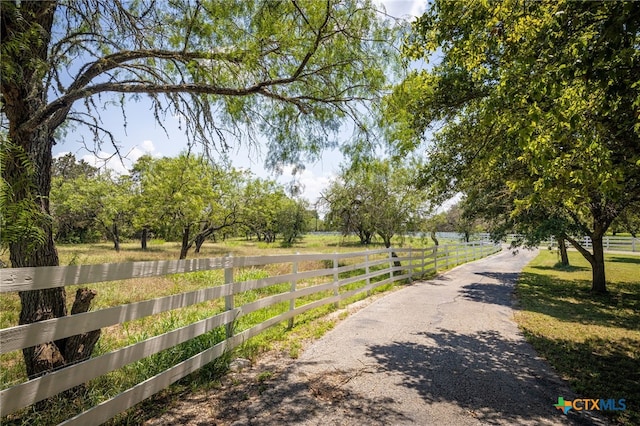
[{"x": 139, "y": 134}]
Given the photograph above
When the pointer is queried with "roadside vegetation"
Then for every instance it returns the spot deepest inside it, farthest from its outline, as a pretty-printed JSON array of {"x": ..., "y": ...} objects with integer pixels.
[
  {"x": 591, "y": 340},
  {"x": 310, "y": 325}
]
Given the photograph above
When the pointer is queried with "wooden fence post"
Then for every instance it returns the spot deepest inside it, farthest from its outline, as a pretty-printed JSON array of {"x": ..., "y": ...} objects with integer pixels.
[
  {"x": 410, "y": 264},
  {"x": 336, "y": 285},
  {"x": 292, "y": 302},
  {"x": 390, "y": 264},
  {"x": 435, "y": 259},
  {"x": 446, "y": 257},
  {"x": 366, "y": 268},
  {"x": 228, "y": 300}
]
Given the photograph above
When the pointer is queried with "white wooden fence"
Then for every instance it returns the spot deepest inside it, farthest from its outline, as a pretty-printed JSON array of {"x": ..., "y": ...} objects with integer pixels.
[
  {"x": 610, "y": 243},
  {"x": 378, "y": 267}
]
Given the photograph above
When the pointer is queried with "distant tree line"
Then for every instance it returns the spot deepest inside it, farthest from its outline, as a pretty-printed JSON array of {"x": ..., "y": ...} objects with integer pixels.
[{"x": 186, "y": 198}]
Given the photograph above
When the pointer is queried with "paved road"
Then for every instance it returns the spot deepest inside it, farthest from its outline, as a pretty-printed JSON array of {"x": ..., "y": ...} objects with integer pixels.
[{"x": 439, "y": 352}]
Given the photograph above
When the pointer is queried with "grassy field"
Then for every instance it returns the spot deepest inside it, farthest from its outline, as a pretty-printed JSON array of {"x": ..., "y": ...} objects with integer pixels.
[
  {"x": 592, "y": 341},
  {"x": 308, "y": 325}
]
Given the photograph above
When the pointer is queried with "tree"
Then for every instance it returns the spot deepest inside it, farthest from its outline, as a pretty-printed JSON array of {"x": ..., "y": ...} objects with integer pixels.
[
  {"x": 459, "y": 220},
  {"x": 86, "y": 208},
  {"x": 263, "y": 204},
  {"x": 629, "y": 221},
  {"x": 546, "y": 90},
  {"x": 374, "y": 198},
  {"x": 179, "y": 195},
  {"x": 114, "y": 197},
  {"x": 347, "y": 204},
  {"x": 68, "y": 167},
  {"x": 290, "y": 71},
  {"x": 292, "y": 219},
  {"x": 74, "y": 210}
]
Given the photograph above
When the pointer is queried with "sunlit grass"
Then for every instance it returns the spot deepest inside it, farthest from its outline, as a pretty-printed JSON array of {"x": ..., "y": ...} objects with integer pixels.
[
  {"x": 593, "y": 341},
  {"x": 309, "y": 325}
]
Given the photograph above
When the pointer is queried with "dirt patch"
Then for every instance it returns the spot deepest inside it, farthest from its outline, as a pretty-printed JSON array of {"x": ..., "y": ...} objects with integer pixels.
[{"x": 268, "y": 392}]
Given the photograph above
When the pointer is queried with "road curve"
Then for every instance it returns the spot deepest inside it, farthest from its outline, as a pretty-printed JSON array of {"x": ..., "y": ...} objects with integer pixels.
[{"x": 439, "y": 352}]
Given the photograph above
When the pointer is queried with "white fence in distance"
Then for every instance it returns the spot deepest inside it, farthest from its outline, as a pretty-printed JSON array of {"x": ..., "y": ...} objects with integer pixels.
[
  {"x": 609, "y": 242},
  {"x": 376, "y": 267}
]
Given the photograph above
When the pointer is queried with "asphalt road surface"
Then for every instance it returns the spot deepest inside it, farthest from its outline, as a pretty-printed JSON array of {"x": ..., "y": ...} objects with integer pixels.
[{"x": 440, "y": 352}]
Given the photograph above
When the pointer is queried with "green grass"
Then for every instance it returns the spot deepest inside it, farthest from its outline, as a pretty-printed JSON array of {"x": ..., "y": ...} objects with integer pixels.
[
  {"x": 120, "y": 292},
  {"x": 592, "y": 341},
  {"x": 309, "y": 325}
]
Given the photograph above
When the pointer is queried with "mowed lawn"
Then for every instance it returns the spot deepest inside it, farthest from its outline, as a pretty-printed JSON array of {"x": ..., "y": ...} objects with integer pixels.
[{"x": 592, "y": 341}]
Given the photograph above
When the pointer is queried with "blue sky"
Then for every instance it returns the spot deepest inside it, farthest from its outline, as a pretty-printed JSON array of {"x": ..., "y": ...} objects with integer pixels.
[{"x": 144, "y": 136}]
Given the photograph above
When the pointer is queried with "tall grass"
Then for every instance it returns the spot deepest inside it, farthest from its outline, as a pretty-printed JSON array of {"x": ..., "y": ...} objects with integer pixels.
[{"x": 121, "y": 292}]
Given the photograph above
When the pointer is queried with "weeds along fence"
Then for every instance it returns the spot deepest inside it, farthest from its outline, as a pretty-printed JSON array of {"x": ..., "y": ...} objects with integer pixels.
[{"x": 307, "y": 281}]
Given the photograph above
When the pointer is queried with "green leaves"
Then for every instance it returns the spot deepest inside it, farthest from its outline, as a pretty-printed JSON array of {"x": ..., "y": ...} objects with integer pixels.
[
  {"x": 377, "y": 197},
  {"x": 21, "y": 217},
  {"x": 532, "y": 113}
]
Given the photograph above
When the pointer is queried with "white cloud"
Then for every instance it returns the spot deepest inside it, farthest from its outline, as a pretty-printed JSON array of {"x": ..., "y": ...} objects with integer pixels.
[
  {"x": 105, "y": 160},
  {"x": 408, "y": 9},
  {"x": 148, "y": 146},
  {"x": 312, "y": 184}
]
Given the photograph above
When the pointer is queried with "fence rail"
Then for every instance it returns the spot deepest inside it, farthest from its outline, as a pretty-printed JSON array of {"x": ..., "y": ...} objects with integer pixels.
[
  {"x": 609, "y": 242},
  {"x": 374, "y": 268}
]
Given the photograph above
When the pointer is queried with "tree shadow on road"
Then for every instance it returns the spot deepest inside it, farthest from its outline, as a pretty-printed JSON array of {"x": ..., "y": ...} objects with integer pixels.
[
  {"x": 493, "y": 379},
  {"x": 500, "y": 293}
]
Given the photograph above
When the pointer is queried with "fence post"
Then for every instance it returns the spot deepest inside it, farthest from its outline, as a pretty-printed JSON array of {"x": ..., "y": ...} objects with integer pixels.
[
  {"x": 424, "y": 253},
  {"x": 336, "y": 286},
  {"x": 435, "y": 259},
  {"x": 410, "y": 264},
  {"x": 633, "y": 244},
  {"x": 228, "y": 300},
  {"x": 446, "y": 257},
  {"x": 366, "y": 269},
  {"x": 390, "y": 264},
  {"x": 292, "y": 302}
]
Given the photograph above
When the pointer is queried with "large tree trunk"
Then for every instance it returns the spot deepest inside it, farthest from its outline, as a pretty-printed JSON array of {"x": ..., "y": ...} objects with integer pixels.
[
  {"x": 596, "y": 259},
  {"x": 116, "y": 237},
  {"x": 562, "y": 246},
  {"x": 599, "y": 284},
  {"x": 23, "y": 94}
]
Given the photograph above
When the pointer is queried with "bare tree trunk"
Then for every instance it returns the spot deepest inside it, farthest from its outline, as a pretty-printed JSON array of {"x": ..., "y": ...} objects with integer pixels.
[
  {"x": 433, "y": 237},
  {"x": 144, "y": 238},
  {"x": 184, "y": 249},
  {"x": 200, "y": 239},
  {"x": 116, "y": 237},
  {"x": 562, "y": 247}
]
